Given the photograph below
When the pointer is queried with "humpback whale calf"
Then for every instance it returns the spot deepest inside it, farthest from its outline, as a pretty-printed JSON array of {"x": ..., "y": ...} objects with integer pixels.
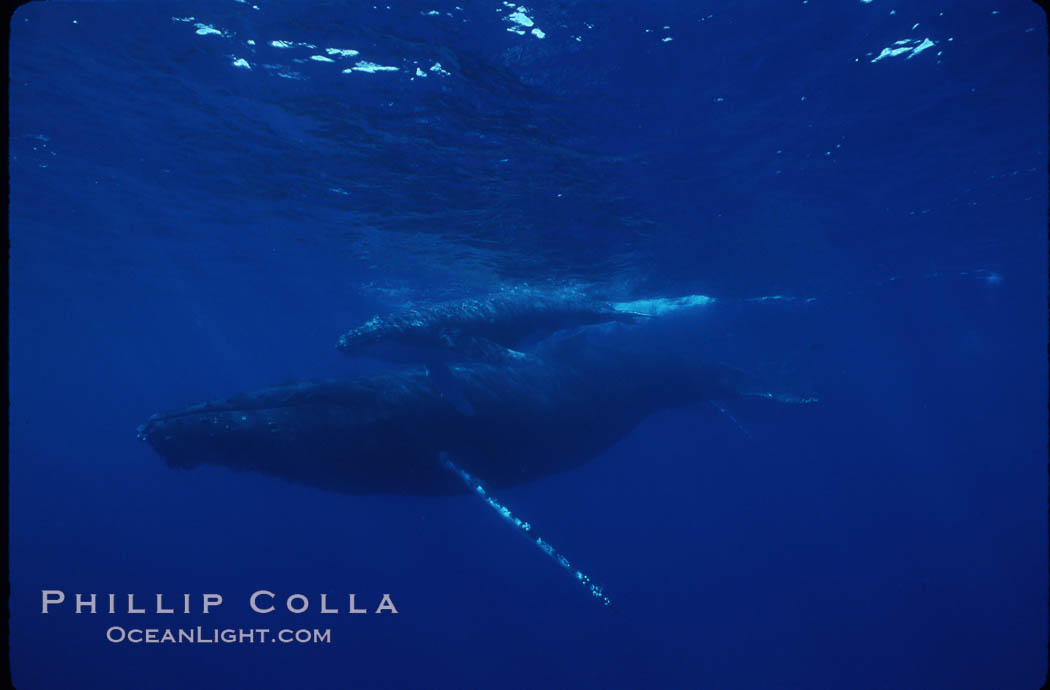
[
  {"x": 391, "y": 432},
  {"x": 487, "y": 329}
]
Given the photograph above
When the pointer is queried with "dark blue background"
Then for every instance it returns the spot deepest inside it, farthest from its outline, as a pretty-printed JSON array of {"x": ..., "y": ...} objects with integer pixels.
[{"x": 183, "y": 229}]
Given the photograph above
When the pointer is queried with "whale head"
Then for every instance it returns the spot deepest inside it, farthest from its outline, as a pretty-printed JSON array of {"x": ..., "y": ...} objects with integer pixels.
[{"x": 373, "y": 332}]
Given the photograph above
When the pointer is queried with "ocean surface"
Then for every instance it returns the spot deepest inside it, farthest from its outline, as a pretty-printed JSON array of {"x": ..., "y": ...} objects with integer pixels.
[{"x": 204, "y": 195}]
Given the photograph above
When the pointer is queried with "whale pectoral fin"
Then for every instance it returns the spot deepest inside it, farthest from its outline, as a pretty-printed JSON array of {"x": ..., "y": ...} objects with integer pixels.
[
  {"x": 478, "y": 348},
  {"x": 788, "y": 398},
  {"x": 497, "y": 353},
  {"x": 478, "y": 488},
  {"x": 632, "y": 316},
  {"x": 731, "y": 418},
  {"x": 445, "y": 383},
  {"x": 467, "y": 346},
  {"x": 449, "y": 338},
  {"x": 779, "y": 391}
]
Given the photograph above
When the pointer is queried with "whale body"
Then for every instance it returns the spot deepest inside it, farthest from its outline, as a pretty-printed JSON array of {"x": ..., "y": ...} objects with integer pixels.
[
  {"x": 382, "y": 433},
  {"x": 395, "y": 433},
  {"x": 487, "y": 329}
]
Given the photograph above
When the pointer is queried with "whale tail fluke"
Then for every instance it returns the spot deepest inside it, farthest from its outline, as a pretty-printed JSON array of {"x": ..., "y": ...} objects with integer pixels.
[{"x": 658, "y": 306}]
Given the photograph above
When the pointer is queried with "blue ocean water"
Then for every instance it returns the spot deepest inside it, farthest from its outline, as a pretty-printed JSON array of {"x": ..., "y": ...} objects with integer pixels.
[{"x": 205, "y": 195}]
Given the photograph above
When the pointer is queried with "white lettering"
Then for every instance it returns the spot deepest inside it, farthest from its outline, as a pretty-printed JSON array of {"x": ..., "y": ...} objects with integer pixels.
[
  {"x": 47, "y": 595},
  {"x": 132, "y": 609},
  {"x": 386, "y": 604},
  {"x": 255, "y": 596},
  {"x": 353, "y": 609},
  {"x": 81, "y": 603},
  {"x": 306, "y": 603},
  {"x": 160, "y": 605},
  {"x": 211, "y": 600},
  {"x": 250, "y": 635}
]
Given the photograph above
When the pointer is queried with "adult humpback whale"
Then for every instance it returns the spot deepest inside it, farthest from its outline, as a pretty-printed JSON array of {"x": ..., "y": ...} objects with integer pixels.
[
  {"x": 381, "y": 433},
  {"x": 394, "y": 433}
]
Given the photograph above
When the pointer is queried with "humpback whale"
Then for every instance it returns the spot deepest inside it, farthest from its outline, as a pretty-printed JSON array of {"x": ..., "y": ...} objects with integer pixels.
[
  {"x": 487, "y": 329},
  {"x": 392, "y": 432},
  {"x": 490, "y": 329},
  {"x": 381, "y": 433}
]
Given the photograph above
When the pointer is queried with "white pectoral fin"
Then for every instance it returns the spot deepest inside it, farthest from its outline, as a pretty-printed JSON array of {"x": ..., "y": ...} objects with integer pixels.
[
  {"x": 731, "y": 418},
  {"x": 480, "y": 349},
  {"x": 478, "y": 488},
  {"x": 514, "y": 355}
]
